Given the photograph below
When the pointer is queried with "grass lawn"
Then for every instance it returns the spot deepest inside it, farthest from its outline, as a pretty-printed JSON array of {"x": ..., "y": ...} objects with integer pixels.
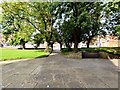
[{"x": 8, "y": 54}]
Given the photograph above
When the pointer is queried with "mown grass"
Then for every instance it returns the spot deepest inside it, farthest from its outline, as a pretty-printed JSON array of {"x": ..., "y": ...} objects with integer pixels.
[{"x": 8, "y": 54}]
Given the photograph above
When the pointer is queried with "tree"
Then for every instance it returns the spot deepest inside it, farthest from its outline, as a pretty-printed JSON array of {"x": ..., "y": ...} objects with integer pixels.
[
  {"x": 37, "y": 15},
  {"x": 92, "y": 25},
  {"x": 19, "y": 20},
  {"x": 69, "y": 11},
  {"x": 44, "y": 14},
  {"x": 75, "y": 21},
  {"x": 81, "y": 21},
  {"x": 112, "y": 17},
  {"x": 67, "y": 29},
  {"x": 23, "y": 35},
  {"x": 13, "y": 23},
  {"x": 37, "y": 39},
  {"x": 117, "y": 31}
]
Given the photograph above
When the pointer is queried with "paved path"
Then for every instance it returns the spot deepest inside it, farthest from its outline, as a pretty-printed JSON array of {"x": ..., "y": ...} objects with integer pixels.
[{"x": 57, "y": 71}]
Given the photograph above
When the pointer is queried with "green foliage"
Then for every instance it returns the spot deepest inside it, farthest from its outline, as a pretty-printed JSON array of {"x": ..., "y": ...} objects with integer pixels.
[
  {"x": 75, "y": 21},
  {"x": 21, "y": 19},
  {"x": 79, "y": 24},
  {"x": 117, "y": 31},
  {"x": 37, "y": 39},
  {"x": 112, "y": 15},
  {"x": 15, "y": 24}
]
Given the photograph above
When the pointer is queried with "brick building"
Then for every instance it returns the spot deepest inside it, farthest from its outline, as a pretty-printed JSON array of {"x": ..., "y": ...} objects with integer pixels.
[{"x": 107, "y": 41}]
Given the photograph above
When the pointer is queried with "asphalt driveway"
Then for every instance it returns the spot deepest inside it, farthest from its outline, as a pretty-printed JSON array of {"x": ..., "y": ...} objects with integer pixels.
[{"x": 57, "y": 71}]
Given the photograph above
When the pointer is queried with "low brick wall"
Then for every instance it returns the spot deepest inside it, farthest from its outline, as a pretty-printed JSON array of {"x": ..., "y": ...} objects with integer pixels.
[
  {"x": 103, "y": 55},
  {"x": 73, "y": 55},
  {"x": 81, "y": 55},
  {"x": 90, "y": 55},
  {"x": 108, "y": 56}
]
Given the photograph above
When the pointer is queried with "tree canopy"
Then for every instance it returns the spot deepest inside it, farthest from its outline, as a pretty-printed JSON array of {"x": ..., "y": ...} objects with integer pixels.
[{"x": 62, "y": 22}]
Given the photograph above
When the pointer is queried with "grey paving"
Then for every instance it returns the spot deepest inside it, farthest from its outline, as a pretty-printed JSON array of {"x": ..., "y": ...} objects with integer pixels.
[{"x": 56, "y": 71}]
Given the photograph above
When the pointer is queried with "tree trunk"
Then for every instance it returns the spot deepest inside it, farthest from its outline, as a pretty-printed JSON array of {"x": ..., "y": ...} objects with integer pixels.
[
  {"x": 52, "y": 46},
  {"x": 75, "y": 41},
  {"x": 47, "y": 47},
  {"x": 88, "y": 43},
  {"x": 23, "y": 45},
  {"x": 76, "y": 46},
  {"x": 36, "y": 47},
  {"x": 60, "y": 46},
  {"x": 67, "y": 45}
]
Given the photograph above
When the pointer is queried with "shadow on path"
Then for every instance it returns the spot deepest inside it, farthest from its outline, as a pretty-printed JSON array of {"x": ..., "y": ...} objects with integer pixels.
[{"x": 56, "y": 71}]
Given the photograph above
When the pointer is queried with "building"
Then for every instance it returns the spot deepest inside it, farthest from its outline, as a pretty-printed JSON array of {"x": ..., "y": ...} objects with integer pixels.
[
  {"x": 2, "y": 39},
  {"x": 107, "y": 41}
]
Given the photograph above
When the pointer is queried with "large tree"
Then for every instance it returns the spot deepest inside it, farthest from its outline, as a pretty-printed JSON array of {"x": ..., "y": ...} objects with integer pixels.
[
  {"x": 80, "y": 21},
  {"x": 13, "y": 23},
  {"x": 69, "y": 13},
  {"x": 112, "y": 17},
  {"x": 74, "y": 21},
  {"x": 37, "y": 16},
  {"x": 92, "y": 26}
]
